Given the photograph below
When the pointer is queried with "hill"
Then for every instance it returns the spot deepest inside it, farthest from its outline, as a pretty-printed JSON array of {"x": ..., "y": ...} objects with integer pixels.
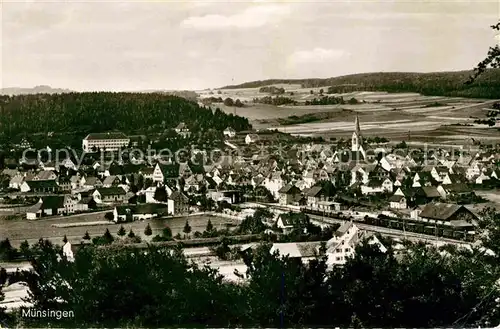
[
  {"x": 431, "y": 84},
  {"x": 12, "y": 91},
  {"x": 81, "y": 113}
]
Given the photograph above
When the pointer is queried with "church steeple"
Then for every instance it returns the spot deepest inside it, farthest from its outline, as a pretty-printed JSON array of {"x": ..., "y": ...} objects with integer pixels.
[
  {"x": 357, "y": 140},
  {"x": 356, "y": 124}
]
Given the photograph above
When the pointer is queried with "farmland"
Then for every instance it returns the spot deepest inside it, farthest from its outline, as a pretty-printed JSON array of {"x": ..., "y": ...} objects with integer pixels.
[
  {"x": 391, "y": 115},
  {"x": 19, "y": 230}
]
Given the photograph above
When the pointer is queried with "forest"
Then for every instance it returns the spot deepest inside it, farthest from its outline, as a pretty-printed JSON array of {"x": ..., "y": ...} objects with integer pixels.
[
  {"x": 453, "y": 84},
  {"x": 81, "y": 113}
]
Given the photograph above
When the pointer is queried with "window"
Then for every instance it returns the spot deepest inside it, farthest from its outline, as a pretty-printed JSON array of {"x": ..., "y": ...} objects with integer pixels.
[{"x": 347, "y": 249}]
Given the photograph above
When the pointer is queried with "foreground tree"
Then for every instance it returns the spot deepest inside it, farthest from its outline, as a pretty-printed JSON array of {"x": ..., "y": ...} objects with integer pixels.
[{"x": 492, "y": 60}]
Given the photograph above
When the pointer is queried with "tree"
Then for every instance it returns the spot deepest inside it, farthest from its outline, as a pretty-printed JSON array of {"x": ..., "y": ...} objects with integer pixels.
[
  {"x": 187, "y": 228},
  {"x": 238, "y": 103},
  {"x": 107, "y": 236},
  {"x": 321, "y": 91},
  {"x": 311, "y": 92},
  {"x": 24, "y": 248},
  {"x": 148, "y": 231},
  {"x": 167, "y": 232},
  {"x": 491, "y": 61},
  {"x": 229, "y": 102},
  {"x": 209, "y": 227},
  {"x": 86, "y": 236},
  {"x": 121, "y": 231},
  {"x": 109, "y": 215},
  {"x": 65, "y": 239},
  {"x": 161, "y": 194},
  {"x": 7, "y": 252},
  {"x": 131, "y": 234}
]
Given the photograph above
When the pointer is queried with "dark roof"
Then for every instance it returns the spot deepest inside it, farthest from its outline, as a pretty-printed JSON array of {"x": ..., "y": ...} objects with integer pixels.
[
  {"x": 458, "y": 188},
  {"x": 37, "y": 184},
  {"x": 350, "y": 156},
  {"x": 431, "y": 191},
  {"x": 441, "y": 211},
  {"x": 108, "y": 135},
  {"x": 52, "y": 202},
  {"x": 289, "y": 189},
  {"x": 170, "y": 170},
  {"x": 314, "y": 191},
  {"x": 178, "y": 197},
  {"x": 111, "y": 191},
  {"x": 396, "y": 198},
  {"x": 146, "y": 208}
]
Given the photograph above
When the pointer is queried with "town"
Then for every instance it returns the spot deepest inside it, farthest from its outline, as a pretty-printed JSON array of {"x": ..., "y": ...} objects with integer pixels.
[{"x": 250, "y": 164}]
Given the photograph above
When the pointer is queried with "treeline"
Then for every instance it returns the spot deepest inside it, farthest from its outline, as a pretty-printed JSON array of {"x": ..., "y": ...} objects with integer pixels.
[
  {"x": 125, "y": 286},
  {"x": 272, "y": 90},
  {"x": 278, "y": 100},
  {"x": 451, "y": 84},
  {"x": 81, "y": 113},
  {"x": 331, "y": 100}
]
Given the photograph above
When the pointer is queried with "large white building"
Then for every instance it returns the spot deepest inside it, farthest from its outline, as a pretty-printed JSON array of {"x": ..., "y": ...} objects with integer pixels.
[{"x": 111, "y": 141}]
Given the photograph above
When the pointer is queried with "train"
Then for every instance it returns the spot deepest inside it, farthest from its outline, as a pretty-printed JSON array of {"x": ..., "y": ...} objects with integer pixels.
[{"x": 402, "y": 224}]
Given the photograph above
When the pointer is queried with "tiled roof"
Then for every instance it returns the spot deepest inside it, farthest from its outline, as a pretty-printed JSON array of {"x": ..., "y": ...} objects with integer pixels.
[{"x": 108, "y": 135}]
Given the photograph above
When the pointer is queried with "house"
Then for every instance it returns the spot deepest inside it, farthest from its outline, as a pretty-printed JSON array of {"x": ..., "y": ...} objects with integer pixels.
[
  {"x": 90, "y": 182},
  {"x": 111, "y": 181},
  {"x": 397, "y": 202},
  {"x": 314, "y": 195},
  {"x": 454, "y": 189},
  {"x": 251, "y": 138},
  {"x": 301, "y": 251},
  {"x": 39, "y": 186},
  {"x": 45, "y": 175},
  {"x": 229, "y": 132},
  {"x": 229, "y": 196},
  {"x": 109, "y": 195},
  {"x": 375, "y": 186},
  {"x": 16, "y": 181},
  {"x": 178, "y": 203},
  {"x": 110, "y": 141},
  {"x": 46, "y": 206},
  {"x": 289, "y": 194},
  {"x": 342, "y": 245},
  {"x": 64, "y": 184},
  {"x": 128, "y": 213},
  {"x": 163, "y": 172},
  {"x": 182, "y": 130},
  {"x": 449, "y": 214}
]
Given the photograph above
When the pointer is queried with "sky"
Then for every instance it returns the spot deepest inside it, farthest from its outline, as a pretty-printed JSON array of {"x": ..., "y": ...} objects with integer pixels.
[{"x": 139, "y": 45}]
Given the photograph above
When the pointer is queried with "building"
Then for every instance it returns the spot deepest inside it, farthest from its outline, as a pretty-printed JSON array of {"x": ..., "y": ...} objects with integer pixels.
[
  {"x": 303, "y": 251},
  {"x": 110, "y": 141},
  {"x": 251, "y": 138},
  {"x": 289, "y": 194},
  {"x": 449, "y": 214},
  {"x": 182, "y": 130},
  {"x": 109, "y": 195},
  {"x": 47, "y": 206},
  {"x": 397, "y": 202},
  {"x": 39, "y": 186},
  {"x": 357, "y": 139},
  {"x": 342, "y": 245},
  {"x": 229, "y": 132},
  {"x": 128, "y": 213},
  {"x": 178, "y": 203}
]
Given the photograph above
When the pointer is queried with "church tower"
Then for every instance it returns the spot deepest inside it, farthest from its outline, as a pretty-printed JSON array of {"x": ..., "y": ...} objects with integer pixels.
[{"x": 357, "y": 139}]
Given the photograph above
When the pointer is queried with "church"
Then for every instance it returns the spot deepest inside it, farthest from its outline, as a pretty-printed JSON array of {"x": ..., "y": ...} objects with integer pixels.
[{"x": 357, "y": 139}]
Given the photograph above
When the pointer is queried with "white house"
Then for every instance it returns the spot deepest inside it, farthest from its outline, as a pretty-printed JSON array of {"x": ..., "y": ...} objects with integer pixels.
[
  {"x": 251, "y": 138},
  {"x": 397, "y": 202},
  {"x": 229, "y": 132},
  {"x": 342, "y": 245}
]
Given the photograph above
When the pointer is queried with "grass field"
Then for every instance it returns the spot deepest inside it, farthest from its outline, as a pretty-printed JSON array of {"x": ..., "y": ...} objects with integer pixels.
[
  {"x": 20, "y": 230},
  {"x": 381, "y": 114}
]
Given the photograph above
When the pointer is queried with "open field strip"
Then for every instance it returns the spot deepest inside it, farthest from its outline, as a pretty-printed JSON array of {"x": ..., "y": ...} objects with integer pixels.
[{"x": 81, "y": 224}]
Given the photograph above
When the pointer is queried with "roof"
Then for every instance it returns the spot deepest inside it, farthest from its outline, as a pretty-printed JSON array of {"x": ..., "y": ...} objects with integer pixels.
[
  {"x": 107, "y": 135},
  {"x": 178, "y": 196},
  {"x": 36, "y": 184},
  {"x": 440, "y": 211},
  {"x": 52, "y": 202},
  {"x": 431, "y": 191},
  {"x": 296, "y": 250},
  {"x": 314, "y": 191},
  {"x": 343, "y": 228},
  {"x": 289, "y": 189},
  {"x": 45, "y": 174},
  {"x": 111, "y": 191},
  {"x": 396, "y": 198},
  {"x": 109, "y": 180},
  {"x": 146, "y": 208}
]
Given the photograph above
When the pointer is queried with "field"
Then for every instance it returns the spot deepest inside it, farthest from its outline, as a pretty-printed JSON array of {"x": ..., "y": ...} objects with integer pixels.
[
  {"x": 448, "y": 120},
  {"x": 19, "y": 230}
]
